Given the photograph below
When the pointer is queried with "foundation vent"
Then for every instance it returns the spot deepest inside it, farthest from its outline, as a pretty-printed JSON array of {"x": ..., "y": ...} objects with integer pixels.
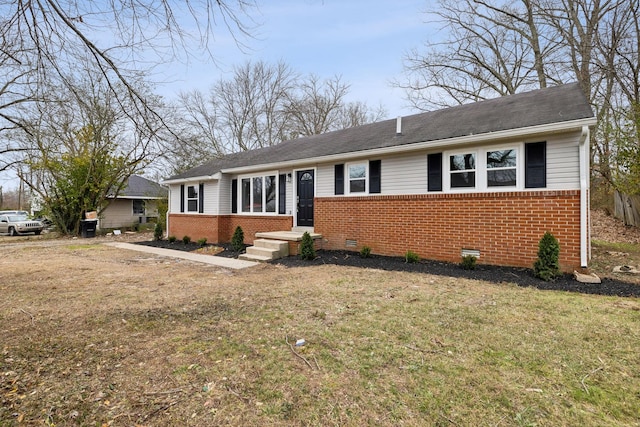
[
  {"x": 351, "y": 243},
  {"x": 472, "y": 252}
]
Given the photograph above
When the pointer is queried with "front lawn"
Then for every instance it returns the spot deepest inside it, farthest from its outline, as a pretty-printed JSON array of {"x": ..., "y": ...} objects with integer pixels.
[{"x": 93, "y": 335}]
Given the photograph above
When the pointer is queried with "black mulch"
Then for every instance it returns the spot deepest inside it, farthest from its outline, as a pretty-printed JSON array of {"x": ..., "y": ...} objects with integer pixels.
[
  {"x": 520, "y": 276},
  {"x": 178, "y": 245}
]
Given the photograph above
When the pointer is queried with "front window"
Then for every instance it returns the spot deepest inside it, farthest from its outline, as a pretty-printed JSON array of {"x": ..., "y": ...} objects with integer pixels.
[
  {"x": 138, "y": 207},
  {"x": 501, "y": 168},
  {"x": 463, "y": 170},
  {"x": 258, "y": 194},
  {"x": 192, "y": 198},
  {"x": 358, "y": 178},
  {"x": 270, "y": 193},
  {"x": 246, "y": 195}
]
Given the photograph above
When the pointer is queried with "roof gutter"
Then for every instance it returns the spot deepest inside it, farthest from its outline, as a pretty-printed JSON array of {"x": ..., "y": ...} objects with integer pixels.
[
  {"x": 416, "y": 146},
  {"x": 214, "y": 177}
]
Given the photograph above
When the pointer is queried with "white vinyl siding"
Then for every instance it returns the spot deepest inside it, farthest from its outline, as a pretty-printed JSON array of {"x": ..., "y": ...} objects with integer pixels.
[
  {"x": 174, "y": 203},
  {"x": 563, "y": 162},
  {"x": 211, "y": 198},
  {"x": 325, "y": 176},
  {"x": 405, "y": 174},
  {"x": 223, "y": 196},
  {"x": 289, "y": 189}
]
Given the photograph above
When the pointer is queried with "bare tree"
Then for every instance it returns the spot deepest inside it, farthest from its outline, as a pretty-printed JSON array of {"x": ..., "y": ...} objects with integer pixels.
[
  {"x": 259, "y": 106},
  {"x": 315, "y": 107},
  {"x": 490, "y": 51},
  {"x": 493, "y": 49},
  {"x": 43, "y": 42},
  {"x": 250, "y": 106},
  {"x": 82, "y": 144}
]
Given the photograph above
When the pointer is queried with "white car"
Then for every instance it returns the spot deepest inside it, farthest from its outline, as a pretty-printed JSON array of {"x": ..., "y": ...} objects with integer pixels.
[{"x": 15, "y": 223}]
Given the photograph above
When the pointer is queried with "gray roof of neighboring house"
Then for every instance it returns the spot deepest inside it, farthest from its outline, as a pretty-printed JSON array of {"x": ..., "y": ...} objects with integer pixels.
[
  {"x": 539, "y": 107},
  {"x": 139, "y": 188}
]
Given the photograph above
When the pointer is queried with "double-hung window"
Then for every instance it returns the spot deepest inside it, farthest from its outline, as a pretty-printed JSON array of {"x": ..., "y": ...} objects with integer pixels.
[
  {"x": 192, "y": 198},
  {"x": 462, "y": 169},
  {"x": 357, "y": 178},
  {"x": 493, "y": 168},
  {"x": 138, "y": 207}
]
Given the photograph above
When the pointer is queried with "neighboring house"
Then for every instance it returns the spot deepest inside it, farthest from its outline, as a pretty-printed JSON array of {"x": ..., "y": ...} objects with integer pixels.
[
  {"x": 488, "y": 178},
  {"x": 137, "y": 203}
]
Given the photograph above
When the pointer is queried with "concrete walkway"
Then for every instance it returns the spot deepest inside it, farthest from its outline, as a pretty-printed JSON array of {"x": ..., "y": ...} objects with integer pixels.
[{"x": 232, "y": 263}]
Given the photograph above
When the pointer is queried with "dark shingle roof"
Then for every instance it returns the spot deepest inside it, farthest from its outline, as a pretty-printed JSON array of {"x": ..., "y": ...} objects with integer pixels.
[
  {"x": 540, "y": 107},
  {"x": 140, "y": 187}
]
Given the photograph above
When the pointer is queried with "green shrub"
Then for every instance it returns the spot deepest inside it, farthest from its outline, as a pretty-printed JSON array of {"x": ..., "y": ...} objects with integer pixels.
[
  {"x": 172, "y": 239},
  {"x": 307, "y": 251},
  {"x": 468, "y": 262},
  {"x": 365, "y": 252},
  {"x": 547, "y": 265},
  {"x": 411, "y": 257},
  {"x": 202, "y": 242},
  {"x": 237, "y": 241},
  {"x": 186, "y": 240},
  {"x": 157, "y": 232}
]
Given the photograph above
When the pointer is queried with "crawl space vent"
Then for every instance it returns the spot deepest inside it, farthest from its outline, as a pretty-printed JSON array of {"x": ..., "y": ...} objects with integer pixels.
[
  {"x": 472, "y": 252},
  {"x": 350, "y": 243}
]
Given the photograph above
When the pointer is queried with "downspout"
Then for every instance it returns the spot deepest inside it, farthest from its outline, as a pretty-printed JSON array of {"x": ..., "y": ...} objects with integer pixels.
[
  {"x": 585, "y": 238},
  {"x": 166, "y": 220}
]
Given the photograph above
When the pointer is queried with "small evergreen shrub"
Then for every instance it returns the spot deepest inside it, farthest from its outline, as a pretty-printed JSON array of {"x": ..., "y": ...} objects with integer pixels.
[
  {"x": 307, "y": 251},
  {"x": 186, "y": 240},
  {"x": 237, "y": 241},
  {"x": 202, "y": 242},
  {"x": 157, "y": 232},
  {"x": 468, "y": 262},
  {"x": 411, "y": 257},
  {"x": 365, "y": 252},
  {"x": 547, "y": 265},
  {"x": 172, "y": 239}
]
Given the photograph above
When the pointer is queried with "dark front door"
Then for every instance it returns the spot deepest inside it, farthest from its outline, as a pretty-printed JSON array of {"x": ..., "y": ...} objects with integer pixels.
[{"x": 305, "y": 198}]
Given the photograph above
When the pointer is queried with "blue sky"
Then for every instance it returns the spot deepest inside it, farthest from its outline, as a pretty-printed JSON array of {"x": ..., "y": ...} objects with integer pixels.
[{"x": 362, "y": 41}]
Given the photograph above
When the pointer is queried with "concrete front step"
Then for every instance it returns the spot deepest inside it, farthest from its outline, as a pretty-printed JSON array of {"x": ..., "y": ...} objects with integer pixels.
[
  {"x": 266, "y": 250},
  {"x": 255, "y": 258}
]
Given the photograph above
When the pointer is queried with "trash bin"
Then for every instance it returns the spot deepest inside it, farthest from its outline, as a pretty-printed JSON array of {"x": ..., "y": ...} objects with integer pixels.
[{"x": 88, "y": 227}]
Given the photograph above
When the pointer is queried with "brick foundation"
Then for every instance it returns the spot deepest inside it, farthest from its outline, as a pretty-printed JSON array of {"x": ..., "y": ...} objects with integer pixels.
[
  {"x": 220, "y": 228},
  {"x": 504, "y": 227}
]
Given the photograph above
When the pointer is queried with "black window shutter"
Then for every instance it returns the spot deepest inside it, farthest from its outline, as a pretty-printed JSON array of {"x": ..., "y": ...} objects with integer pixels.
[
  {"x": 535, "y": 165},
  {"x": 201, "y": 198},
  {"x": 374, "y": 176},
  {"x": 182, "y": 198},
  {"x": 234, "y": 196},
  {"x": 282, "y": 194},
  {"x": 339, "y": 179},
  {"x": 434, "y": 172}
]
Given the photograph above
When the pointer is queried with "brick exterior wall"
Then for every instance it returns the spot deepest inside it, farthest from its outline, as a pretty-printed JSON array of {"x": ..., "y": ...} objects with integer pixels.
[
  {"x": 504, "y": 227},
  {"x": 252, "y": 224},
  {"x": 194, "y": 226},
  {"x": 220, "y": 228}
]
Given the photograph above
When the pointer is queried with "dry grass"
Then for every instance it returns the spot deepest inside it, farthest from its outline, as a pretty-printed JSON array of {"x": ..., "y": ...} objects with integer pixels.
[{"x": 92, "y": 335}]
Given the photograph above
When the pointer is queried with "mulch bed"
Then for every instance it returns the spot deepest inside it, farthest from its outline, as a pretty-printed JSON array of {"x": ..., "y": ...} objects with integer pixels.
[
  {"x": 519, "y": 276},
  {"x": 178, "y": 245}
]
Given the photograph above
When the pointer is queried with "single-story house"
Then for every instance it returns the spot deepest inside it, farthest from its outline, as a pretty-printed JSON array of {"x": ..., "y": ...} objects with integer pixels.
[
  {"x": 137, "y": 203},
  {"x": 487, "y": 179}
]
